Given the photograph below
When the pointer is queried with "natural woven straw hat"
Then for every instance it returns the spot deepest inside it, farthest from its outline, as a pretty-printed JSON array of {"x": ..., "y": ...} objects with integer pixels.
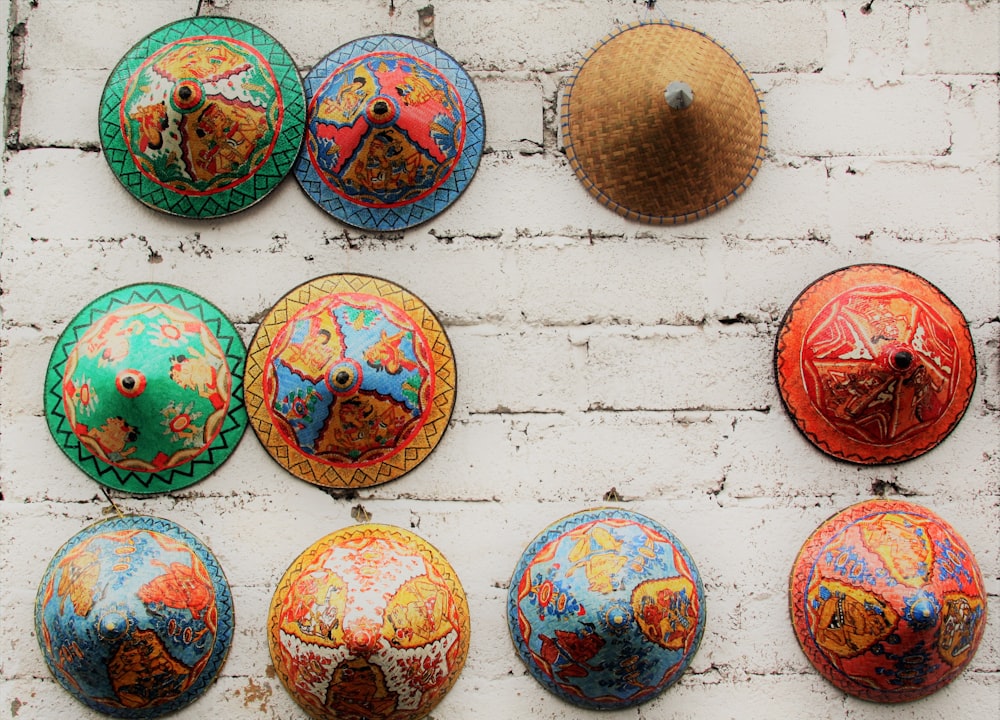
[{"x": 662, "y": 124}]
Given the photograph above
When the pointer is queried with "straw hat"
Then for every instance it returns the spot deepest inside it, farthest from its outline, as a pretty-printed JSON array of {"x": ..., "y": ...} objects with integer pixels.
[
  {"x": 662, "y": 124},
  {"x": 874, "y": 364},
  {"x": 203, "y": 117},
  {"x": 144, "y": 389},
  {"x": 371, "y": 622},
  {"x": 394, "y": 134},
  {"x": 350, "y": 381},
  {"x": 887, "y": 601},
  {"x": 134, "y": 617},
  {"x": 606, "y": 608}
]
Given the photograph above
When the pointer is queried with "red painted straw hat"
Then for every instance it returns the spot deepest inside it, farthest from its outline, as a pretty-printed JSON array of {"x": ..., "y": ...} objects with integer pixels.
[
  {"x": 874, "y": 364},
  {"x": 887, "y": 601}
]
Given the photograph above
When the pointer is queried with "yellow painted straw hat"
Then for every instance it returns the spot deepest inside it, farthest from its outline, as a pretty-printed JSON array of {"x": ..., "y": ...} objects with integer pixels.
[{"x": 350, "y": 381}]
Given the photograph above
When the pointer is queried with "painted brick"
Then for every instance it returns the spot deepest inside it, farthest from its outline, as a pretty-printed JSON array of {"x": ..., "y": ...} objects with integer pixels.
[
  {"x": 952, "y": 26},
  {"x": 55, "y": 40},
  {"x": 951, "y": 202},
  {"x": 513, "y": 108}
]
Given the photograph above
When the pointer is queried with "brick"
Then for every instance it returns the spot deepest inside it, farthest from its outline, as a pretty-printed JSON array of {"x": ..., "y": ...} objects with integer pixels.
[
  {"x": 513, "y": 110},
  {"x": 952, "y": 25},
  {"x": 55, "y": 40},
  {"x": 904, "y": 198},
  {"x": 856, "y": 118}
]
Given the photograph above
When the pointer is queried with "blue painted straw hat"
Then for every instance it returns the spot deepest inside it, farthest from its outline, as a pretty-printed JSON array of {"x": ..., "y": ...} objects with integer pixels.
[
  {"x": 394, "y": 132},
  {"x": 134, "y": 617},
  {"x": 606, "y": 608}
]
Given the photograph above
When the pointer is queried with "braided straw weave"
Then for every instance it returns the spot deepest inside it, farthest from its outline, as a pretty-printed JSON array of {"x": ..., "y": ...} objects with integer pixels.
[{"x": 644, "y": 160}]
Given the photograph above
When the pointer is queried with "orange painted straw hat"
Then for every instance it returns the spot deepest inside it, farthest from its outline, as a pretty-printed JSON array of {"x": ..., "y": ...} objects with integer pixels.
[
  {"x": 887, "y": 601},
  {"x": 350, "y": 381},
  {"x": 874, "y": 364},
  {"x": 662, "y": 124}
]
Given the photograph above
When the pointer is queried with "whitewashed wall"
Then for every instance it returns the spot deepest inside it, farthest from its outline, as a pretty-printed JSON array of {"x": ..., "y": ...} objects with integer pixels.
[{"x": 593, "y": 353}]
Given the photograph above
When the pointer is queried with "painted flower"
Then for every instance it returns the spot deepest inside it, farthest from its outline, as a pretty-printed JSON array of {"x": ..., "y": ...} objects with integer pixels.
[
  {"x": 164, "y": 333},
  {"x": 299, "y": 405},
  {"x": 179, "y": 423},
  {"x": 422, "y": 673},
  {"x": 553, "y": 598},
  {"x": 922, "y": 610},
  {"x": 84, "y": 396}
]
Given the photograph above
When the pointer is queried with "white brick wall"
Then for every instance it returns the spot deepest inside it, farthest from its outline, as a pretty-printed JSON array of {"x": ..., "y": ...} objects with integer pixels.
[{"x": 592, "y": 352}]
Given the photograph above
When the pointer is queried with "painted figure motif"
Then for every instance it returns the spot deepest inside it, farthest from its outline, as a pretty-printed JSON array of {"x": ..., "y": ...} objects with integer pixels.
[
  {"x": 134, "y": 617},
  {"x": 349, "y": 379},
  {"x": 385, "y": 129},
  {"x": 202, "y": 114}
]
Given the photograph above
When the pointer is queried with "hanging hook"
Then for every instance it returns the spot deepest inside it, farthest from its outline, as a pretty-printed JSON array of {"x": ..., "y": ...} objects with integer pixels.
[
  {"x": 359, "y": 514},
  {"x": 114, "y": 505}
]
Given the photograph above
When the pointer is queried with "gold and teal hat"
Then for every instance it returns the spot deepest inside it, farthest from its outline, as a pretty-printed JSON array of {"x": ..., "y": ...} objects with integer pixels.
[
  {"x": 203, "y": 117},
  {"x": 350, "y": 381},
  {"x": 144, "y": 389}
]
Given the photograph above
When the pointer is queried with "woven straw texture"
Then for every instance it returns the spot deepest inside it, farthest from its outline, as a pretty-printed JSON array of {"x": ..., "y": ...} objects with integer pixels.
[{"x": 643, "y": 159}]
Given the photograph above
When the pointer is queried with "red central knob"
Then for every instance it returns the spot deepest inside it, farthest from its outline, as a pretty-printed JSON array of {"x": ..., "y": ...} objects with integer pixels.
[
  {"x": 381, "y": 110},
  {"x": 187, "y": 95}
]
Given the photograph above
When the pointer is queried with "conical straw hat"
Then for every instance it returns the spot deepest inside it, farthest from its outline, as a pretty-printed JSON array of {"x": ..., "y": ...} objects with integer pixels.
[
  {"x": 394, "y": 132},
  {"x": 350, "y": 381},
  {"x": 203, "y": 117},
  {"x": 887, "y": 601},
  {"x": 662, "y": 124}
]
